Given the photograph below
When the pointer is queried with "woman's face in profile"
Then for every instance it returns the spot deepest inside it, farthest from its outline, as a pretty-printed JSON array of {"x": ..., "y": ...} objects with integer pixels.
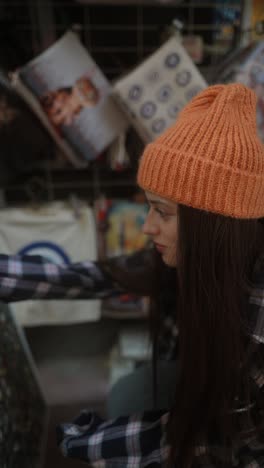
[{"x": 161, "y": 225}]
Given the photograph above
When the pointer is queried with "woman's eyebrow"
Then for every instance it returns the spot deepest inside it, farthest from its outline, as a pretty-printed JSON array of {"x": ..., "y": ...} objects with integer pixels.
[{"x": 157, "y": 202}]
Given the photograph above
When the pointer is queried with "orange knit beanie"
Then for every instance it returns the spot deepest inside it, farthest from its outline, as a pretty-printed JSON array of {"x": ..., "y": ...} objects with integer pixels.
[{"x": 211, "y": 158}]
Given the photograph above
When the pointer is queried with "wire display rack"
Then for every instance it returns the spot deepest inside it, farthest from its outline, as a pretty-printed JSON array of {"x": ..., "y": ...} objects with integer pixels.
[{"x": 118, "y": 35}]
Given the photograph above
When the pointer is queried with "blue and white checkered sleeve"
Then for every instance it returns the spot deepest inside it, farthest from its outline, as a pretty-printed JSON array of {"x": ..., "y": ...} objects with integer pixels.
[
  {"x": 137, "y": 440},
  {"x": 34, "y": 277}
]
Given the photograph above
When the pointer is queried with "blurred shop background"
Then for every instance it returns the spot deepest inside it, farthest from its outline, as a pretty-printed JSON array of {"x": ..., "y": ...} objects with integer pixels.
[{"x": 84, "y": 85}]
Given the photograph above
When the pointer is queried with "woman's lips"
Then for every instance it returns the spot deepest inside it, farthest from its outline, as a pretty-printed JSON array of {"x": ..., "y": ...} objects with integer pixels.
[{"x": 160, "y": 248}]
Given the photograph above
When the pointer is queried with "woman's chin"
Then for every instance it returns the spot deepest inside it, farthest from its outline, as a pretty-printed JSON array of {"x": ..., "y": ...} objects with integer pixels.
[{"x": 169, "y": 260}]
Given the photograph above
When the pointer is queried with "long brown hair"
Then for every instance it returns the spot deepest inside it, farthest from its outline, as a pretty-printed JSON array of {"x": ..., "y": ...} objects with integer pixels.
[{"x": 215, "y": 257}]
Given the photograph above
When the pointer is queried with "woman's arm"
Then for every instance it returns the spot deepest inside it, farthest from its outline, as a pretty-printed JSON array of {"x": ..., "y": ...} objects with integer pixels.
[
  {"x": 34, "y": 277},
  {"x": 137, "y": 440}
]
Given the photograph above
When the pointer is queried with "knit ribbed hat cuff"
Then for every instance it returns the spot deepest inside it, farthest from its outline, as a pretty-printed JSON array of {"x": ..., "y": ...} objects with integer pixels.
[{"x": 214, "y": 187}]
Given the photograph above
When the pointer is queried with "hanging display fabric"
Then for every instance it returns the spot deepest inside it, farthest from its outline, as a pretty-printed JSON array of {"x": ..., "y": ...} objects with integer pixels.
[{"x": 62, "y": 235}]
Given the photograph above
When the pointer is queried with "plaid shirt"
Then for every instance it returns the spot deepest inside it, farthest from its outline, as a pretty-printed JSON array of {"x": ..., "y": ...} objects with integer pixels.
[{"x": 138, "y": 440}]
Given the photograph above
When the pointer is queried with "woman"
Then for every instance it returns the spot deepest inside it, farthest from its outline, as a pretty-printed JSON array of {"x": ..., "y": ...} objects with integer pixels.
[{"x": 204, "y": 182}]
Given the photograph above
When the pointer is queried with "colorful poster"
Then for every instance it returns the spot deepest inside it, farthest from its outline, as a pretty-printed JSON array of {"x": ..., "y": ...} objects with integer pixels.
[
  {"x": 124, "y": 233},
  {"x": 124, "y": 221}
]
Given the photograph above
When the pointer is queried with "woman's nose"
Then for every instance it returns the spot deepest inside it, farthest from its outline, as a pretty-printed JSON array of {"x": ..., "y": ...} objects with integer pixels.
[{"x": 150, "y": 227}]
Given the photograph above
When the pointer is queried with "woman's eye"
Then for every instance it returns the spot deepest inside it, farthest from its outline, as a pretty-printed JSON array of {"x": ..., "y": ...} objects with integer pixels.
[{"x": 162, "y": 214}]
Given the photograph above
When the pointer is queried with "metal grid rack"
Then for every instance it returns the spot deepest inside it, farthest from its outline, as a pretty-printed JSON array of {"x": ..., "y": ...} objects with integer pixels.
[{"x": 119, "y": 35}]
